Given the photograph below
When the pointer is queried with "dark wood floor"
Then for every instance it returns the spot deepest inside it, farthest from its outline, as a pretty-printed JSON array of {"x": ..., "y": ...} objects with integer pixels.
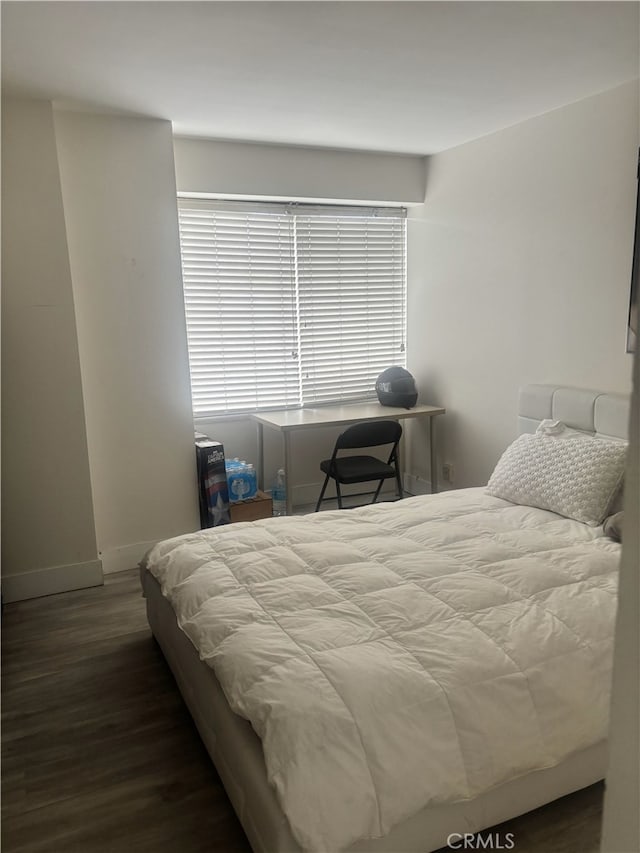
[{"x": 99, "y": 754}]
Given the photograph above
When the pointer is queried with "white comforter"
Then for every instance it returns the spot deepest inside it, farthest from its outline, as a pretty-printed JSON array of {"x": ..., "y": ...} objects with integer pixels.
[{"x": 401, "y": 654}]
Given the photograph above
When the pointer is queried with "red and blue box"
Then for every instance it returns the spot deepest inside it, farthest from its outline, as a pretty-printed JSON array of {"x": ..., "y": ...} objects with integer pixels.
[{"x": 213, "y": 491}]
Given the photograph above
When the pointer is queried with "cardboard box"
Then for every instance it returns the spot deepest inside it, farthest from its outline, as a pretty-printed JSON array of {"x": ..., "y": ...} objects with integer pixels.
[{"x": 259, "y": 507}]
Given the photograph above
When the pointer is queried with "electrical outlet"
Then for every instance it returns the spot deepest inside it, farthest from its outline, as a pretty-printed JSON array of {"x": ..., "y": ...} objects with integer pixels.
[{"x": 447, "y": 472}]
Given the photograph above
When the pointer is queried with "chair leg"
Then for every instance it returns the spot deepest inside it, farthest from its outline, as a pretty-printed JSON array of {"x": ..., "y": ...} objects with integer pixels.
[
  {"x": 339, "y": 495},
  {"x": 377, "y": 492},
  {"x": 399, "y": 483},
  {"x": 322, "y": 491}
]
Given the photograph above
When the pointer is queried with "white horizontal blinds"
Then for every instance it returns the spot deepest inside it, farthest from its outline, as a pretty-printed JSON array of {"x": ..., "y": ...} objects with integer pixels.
[
  {"x": 351, "y": 282},
  {"x": 240, "y": 305},
  {"x": 290, "y": 304}
]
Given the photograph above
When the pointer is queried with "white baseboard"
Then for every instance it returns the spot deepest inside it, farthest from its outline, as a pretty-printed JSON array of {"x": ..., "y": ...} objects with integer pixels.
[
  {"x": 416, "y": 485},
  {"x": 51, "y": 580},
  {"x": 306, "y": 494},
  {"x": 124, "y": 557}
]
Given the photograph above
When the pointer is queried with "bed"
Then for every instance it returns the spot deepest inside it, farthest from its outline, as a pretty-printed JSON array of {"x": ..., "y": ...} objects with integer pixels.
[{"x": 380, "y": 678}]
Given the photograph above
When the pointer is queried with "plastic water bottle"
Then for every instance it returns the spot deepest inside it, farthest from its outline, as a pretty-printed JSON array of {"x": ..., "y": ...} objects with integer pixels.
[
  {"x": 241, "y": 480},
  {"x": 279, "y": 494},
  {"x": 252, "y": 480}
]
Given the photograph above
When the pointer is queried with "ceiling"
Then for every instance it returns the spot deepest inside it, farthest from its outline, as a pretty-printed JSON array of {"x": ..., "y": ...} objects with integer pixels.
[{"x": 414, "y": 77}]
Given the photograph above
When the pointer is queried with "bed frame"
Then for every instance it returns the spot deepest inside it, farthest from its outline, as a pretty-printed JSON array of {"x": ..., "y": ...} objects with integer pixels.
[{"x": 236, "y": 750}]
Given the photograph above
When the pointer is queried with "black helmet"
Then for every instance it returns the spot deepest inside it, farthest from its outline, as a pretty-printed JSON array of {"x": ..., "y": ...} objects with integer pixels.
[{"x": 396, "y": 387}]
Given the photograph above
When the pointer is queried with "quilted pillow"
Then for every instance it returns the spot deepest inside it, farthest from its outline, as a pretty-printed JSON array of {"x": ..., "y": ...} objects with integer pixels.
[
  {"x": 557, "y": 429},
  {"x": 577, "y": 478}
]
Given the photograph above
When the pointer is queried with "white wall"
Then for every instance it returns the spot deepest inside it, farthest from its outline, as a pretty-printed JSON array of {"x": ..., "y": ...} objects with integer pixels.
[
  {"x": 519, "y": 270},
  {"x": 98, "y": 194},
  {"x": 282, "y": 172},
  {"x": 279, "y": 171},
  {"x": 119, "y": 194},
  {"x": 309, "y": 447},
  {"x": 621, "y": 826},
  {"x": 48, "y": 538}
]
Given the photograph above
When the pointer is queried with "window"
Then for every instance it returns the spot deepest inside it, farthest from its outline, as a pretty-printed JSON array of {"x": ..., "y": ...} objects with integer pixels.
[{"x": 290, "y": 305}]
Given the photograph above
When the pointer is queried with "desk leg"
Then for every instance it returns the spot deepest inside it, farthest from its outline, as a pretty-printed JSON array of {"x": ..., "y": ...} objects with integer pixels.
[
  {"x": 260, "y": 460},
  {"x": 433, "y": 462},
  {"x": 287, "y": 471}
]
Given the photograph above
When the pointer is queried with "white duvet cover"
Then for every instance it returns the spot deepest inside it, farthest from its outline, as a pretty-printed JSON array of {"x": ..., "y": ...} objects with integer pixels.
[{"x": 401, "y": 654}]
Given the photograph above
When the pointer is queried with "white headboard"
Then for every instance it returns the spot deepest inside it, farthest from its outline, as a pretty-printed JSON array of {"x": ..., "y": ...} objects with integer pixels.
[{"x": 597, "y": 413}]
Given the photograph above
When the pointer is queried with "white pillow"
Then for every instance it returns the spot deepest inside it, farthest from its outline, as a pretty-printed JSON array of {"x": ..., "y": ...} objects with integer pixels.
[
  {"x": 558, "y": 429},
  {"x": 577, "y": 478}
]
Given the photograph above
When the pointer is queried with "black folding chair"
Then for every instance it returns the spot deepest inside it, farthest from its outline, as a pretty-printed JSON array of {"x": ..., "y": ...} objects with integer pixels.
[{"x": 362, "y": 469}]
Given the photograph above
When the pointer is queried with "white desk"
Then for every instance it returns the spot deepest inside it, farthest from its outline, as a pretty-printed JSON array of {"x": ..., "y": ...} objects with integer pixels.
[{"x": 288, "y": 421}]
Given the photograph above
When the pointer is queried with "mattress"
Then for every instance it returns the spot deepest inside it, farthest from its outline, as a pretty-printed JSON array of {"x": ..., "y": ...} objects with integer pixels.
[
  {"x": 236, "y": 751},
  {"x": 423, "y": 654}
]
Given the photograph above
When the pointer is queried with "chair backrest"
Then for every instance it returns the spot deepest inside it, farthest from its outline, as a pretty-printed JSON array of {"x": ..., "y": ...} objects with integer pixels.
[{"x": 369, "y": 434}]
